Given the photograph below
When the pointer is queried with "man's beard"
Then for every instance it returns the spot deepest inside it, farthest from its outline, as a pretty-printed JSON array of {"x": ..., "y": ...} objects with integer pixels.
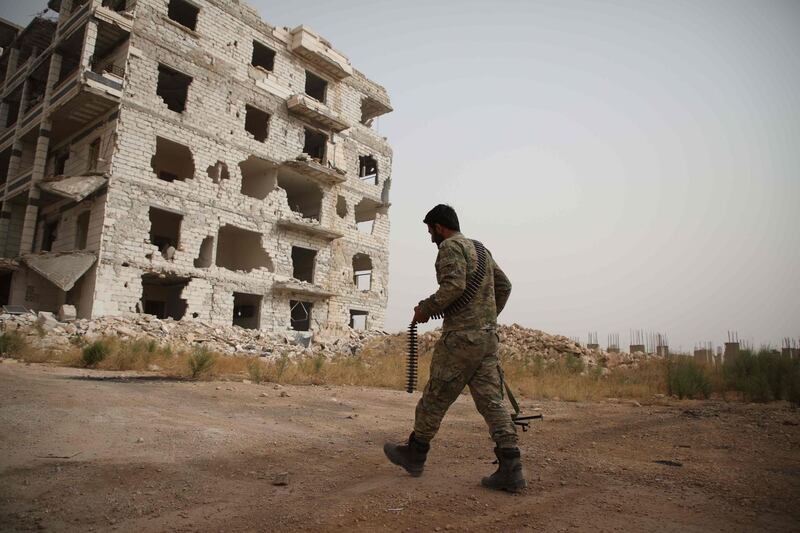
[{"x": 438, "y": 238}]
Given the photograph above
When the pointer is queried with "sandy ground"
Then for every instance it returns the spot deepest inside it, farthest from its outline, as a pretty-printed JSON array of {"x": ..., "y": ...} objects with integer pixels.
[{"x": 83, "y": 451}]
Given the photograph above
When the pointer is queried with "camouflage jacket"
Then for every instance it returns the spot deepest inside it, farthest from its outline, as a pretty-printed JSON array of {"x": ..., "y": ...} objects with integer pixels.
[{"x": 457, "y": 261}]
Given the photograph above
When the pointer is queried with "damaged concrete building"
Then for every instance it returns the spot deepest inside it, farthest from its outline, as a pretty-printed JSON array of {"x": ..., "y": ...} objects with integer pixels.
[{"x": 185, "y": 159}]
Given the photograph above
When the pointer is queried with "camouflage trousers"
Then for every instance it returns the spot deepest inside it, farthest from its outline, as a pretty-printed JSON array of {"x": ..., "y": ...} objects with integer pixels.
[{"x": 460, "y": 359}]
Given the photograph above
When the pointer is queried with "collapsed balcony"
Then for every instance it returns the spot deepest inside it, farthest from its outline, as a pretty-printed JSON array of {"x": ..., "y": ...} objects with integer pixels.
[
  {"x": 372, "y": 108},
  {"x": 315, "y": 113}
]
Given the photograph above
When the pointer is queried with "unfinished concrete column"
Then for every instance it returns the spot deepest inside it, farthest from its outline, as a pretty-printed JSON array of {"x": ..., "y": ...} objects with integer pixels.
[
  {"x": 16, "y": 146},
  {"x": 39, "y": 162},
  {"x": 89, "y": 44},
  {"x": 4, "y": 109},
  {"x": 65, "y": 11},
  {"x": 13, "y": 57},
  {"x": 731, "y": 351}
]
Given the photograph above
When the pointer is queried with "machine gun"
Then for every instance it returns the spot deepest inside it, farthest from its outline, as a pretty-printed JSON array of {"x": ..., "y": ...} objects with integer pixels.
[{"x": 473, "y": 284}]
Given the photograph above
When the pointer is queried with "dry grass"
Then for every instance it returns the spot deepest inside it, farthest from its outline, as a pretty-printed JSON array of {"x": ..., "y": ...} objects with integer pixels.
[{"x": 382, "y": 363}]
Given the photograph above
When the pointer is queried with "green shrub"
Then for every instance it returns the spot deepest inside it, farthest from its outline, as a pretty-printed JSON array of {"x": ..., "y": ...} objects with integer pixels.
[
  {"x": 280, "y": 366},
  {"x": 11, "y": 343},
  {"x": 201, "y": 361},
  {"x": 763, "y": 376},
  {"x": 256, "y": 370},
  {"x": 318, "y": 362},
  {"x": 95, "y": 353},
  {"x": 686, "y": 378},
  {"x": 573, "y": 364}
]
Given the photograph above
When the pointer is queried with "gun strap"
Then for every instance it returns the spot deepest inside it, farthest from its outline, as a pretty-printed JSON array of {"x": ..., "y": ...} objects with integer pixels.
[{"x": 504, "y": 386}]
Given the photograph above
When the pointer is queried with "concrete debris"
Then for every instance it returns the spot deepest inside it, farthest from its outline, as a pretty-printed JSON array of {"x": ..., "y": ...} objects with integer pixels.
[
  {"x": 185, "y": 334},
  {"x": 520, "y": 343},
  {"x": 61, "y": 269},
  {"x": 46, "y": 321},
  {"x": 516, "y": 342},
  {"x": 67, "y": 313}
]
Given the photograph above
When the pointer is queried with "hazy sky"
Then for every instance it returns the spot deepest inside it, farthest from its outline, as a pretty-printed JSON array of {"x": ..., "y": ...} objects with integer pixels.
[{"x": 630, "y": 164}]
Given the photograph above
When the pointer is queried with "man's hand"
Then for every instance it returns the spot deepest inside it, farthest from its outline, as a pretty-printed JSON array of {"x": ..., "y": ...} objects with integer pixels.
[{"x": 419, "y": 316}]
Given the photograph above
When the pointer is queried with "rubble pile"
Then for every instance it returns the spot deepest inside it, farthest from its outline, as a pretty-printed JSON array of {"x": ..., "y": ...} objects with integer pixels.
[
  {"x": 44, "y": 331},
  {"x": 520, "y": 343}
]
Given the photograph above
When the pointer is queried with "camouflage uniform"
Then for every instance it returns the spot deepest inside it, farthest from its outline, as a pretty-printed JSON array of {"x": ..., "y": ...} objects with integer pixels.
[{"x": 466, "y": 354}]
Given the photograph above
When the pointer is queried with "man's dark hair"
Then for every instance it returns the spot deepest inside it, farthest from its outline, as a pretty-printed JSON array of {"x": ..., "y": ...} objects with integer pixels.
[{"x": 443, "y": 214}]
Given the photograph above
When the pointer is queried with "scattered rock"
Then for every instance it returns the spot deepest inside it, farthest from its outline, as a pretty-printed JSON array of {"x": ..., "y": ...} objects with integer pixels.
[
  {"x": 46, "y": 320},
  {"x": 67, "y": 313},
  {"x": 281, "y": 479}
]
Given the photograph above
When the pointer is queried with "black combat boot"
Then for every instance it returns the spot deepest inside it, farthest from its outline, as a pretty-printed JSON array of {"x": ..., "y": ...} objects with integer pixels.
[
  {"x": 509, "y": 473},
  {"x": 410, "y": 456}
]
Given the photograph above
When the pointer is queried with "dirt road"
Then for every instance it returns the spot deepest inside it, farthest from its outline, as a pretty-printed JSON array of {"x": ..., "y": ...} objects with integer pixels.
[{"x": 82, "y": 450}]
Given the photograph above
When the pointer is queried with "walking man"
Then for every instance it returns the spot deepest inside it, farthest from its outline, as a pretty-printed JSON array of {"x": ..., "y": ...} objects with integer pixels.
[{"x": 466, "y": 353}]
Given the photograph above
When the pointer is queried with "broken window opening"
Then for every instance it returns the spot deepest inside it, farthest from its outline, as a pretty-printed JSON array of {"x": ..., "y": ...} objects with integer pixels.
[
  {"x": 12, "y": 112},
  {"x": 341, "y": 206},
  {"x": 49, "y": 236},
  {"x": 366, "y": 212},
  {"x": 183, "y": 13},
  {"x": 300, "y": 315},
  {"x": 116, "y": 5},
  {"x": 358, "y": 320},
  {"x": 218, "y": 172},
  {"x": 165, "y": 230},
  {"x": 368, "y": 169},
  {"x": 5, "y": 163},
  {"x": 94, "y": 154},
  {"x": 172, "y": 161},
  {"x": 316, "y": 87},
  {"x": 60, "y": 162},
  {"x": 256, "y": 123},
  {"x": 17, "y": 206},
  {"x": 302, "y": 194},
  {"x": 161, "y": 296},
  {"x": 362, "y": 272},
  {"x": 263, "y": 56},
  {"x": 240, "y": 249},
  {"x": 246, "y": 310},
  {"x": 173, "y": 88},
  {"x": 303, "y": 261},
  {"x": 315, "y": 145},
  {"x": 5, "y": 288},
  {"x": 206, "y": 255},
  {"x": 82, "y": 230},
  {"x": 259, "y": 177}
]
